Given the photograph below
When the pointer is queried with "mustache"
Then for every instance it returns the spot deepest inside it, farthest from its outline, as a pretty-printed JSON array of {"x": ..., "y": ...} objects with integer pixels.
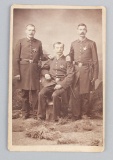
[{"x": 82, "y": 33}]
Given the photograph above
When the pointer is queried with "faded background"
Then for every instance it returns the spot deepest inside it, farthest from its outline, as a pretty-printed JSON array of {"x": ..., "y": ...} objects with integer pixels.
[{"x": 54, "y": 25}]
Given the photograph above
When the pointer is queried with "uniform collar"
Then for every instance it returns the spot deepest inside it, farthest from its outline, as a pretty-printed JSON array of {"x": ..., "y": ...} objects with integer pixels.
[
  {"x": 79, "y": 41},
  {"x": 31, "y": 39},
  {"x": 59, "y": 57}
]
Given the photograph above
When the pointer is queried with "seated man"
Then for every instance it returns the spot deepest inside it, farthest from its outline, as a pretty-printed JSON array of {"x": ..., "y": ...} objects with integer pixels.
[{"x": 58, "y": 73}]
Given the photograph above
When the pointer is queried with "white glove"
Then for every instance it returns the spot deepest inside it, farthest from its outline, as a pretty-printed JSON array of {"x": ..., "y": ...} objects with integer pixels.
[
  {"x": 58, "y": 86},
  {"x": 17, "y": 77},
  {"x": 47, "y": 76},
  {"x": 50, "y": 56}
]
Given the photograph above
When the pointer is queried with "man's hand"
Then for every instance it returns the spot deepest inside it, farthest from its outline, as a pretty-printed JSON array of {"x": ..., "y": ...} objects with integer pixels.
[
  {"x": 47, "y": 76},
  {"x": 58, "y": 86},
  {"x": 17, "y": 77},
  {"x": 50, "y": 56}
]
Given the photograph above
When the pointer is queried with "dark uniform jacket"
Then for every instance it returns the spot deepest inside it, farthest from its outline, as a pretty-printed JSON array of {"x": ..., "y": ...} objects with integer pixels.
[
  {"x": 60, "y": 70},
  {"x": 26, "y": 58},
  {"x": 85, "y": 52}
]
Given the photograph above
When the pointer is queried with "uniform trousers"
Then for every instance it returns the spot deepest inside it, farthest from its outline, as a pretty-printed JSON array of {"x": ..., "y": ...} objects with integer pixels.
[
  {"x": 28, "y": 97},
  {"x": 79, "y": 102},
  {"x": 58, "y": 96}
]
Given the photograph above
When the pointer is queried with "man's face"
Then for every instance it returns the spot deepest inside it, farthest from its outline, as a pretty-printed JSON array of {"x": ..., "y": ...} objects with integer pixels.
[
  {"x": 59, "y": 48},
  {"x": 30, "y": 31},
  {"x": 82, "y": 31}
]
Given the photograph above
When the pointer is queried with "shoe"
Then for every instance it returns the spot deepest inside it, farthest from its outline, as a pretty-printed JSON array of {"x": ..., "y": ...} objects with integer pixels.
[
  {"x": 74, "y": 118},
  {"x": 85, "y": 117},
  {"x": 56, "y": 120},
  {"x": 25, "y": 117},
  {"x": 41, "y": 118}
]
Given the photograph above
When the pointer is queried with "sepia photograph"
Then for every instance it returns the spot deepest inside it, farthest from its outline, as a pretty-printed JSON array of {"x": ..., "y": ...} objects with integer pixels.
[{"x": 57, "y": 78}]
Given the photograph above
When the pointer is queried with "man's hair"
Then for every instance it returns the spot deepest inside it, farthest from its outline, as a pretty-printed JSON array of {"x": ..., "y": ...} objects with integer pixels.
[
  {"x": 82, "y": 24},
  {"x": 57, "y": 43},
  {"x": 30, "y": 25}
]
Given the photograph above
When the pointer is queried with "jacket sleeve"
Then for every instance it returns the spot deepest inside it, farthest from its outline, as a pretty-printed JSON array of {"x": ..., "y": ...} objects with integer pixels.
[
  {"x": 43, "y": 57},
  {"x": 95, "y": 60},
  {"x": 45, "y": 68},
  {"x": 17, "y": 52},
  {"x": 69, "y": 77},
  {"x": 71, "y": 53}
]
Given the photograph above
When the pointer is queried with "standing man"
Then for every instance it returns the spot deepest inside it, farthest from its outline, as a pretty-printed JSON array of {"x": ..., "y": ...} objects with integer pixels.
[
  {"x": 28, "y": 53},
  {"x": 58, "y": 75},
  {"x": 83, "y": 53}
]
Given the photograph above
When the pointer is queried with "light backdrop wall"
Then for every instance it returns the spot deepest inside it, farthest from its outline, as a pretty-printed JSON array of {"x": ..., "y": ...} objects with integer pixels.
[{"x": 54, "y": 25}]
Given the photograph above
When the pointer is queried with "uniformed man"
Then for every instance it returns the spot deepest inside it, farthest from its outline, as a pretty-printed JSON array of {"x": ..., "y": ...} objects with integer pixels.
[
  {"x": 28, "y": 52},
  {"x": 83, "y": 53},
  {"x": 58, "y": 75}
]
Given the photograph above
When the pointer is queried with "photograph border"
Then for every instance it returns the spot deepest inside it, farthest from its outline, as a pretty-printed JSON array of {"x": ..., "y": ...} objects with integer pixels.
[{"x": 60, "y": 148}]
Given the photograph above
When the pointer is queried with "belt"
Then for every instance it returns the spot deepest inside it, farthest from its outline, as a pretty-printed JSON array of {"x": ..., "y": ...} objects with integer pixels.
[
  {"x": 57, "y": 79},
  {"x": 27, "y": 60}
]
